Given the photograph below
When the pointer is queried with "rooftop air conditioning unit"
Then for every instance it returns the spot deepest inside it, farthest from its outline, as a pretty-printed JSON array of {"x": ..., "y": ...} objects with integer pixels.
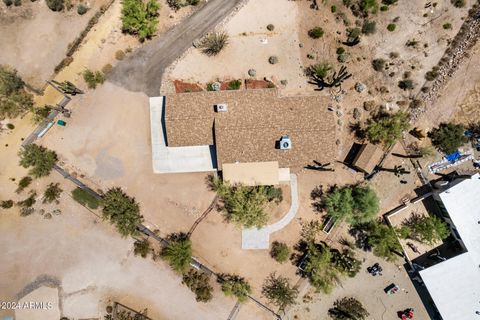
[
  {"x": 221, "y": 107},
  {"x": 285, "y": 143}
]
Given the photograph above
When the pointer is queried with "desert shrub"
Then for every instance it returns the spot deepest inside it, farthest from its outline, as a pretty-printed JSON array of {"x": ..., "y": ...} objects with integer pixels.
[
  {"x": 8, "y": 3},
  {"x": 140, "y": 18},
  {"x": 348, "y": 308},
  {"x": 406, "y": 84},
  {"x": 320, "y": 70},
  {"x": 40, "y": 114},
  {"x": 333, "y": 9},
  {"x": 177, "y": 4},
  {"x": 279, "y": 291},
  {"x": 122, "y": 211},
  {"x": 17, "y": 3},
  {"x": 199, "y": 283},
  {"x": 432, "y": 74},
  {"x": 448, "y": 137},
  {"x": 85, "y": 198},
  {"x": 273, "y": 194},
  {"x": 387, "y": 128},
  {"x": 391, "y": 27},
  {"x": 56, "y": 5},
  {"x": 26, "y": 205},
  {"x": 236, "y": 286},
  {"x": 234, "y": 85},
  {"x": 280, "y": 252},
  {"x": 14, "y": 100},
  {"x": 23, "y": 183},
  {"x": 119, "y": 55},
  {"x": 353, "y": 36},
  {"x": 458, "y": 3},
  {"x": 82, "y": 9},
  {"x": 10, "y": 126},
  {"x": 6, "y": 204},
  {"x": 273, "y": 60},
  {"x": 378, "y": 64},
  {"x": 52, "y": 193},
  {"x": 315, "y": 33},
  {"x": 107, "y": 68},
  {"x": 93, "y": 78},
  {"x": 141, "y": 248},
  {"x": 340, "y": 50},
  {"x": 369, "y": 27},
  {"x": 39, "y": 158},
  {"x": 447, "y": 26},
  {"x": 178, "y": 252},
  {"x": 389, "y": 2},
  {"x": 270, "y": 27},
  {"x": 384, "y": 8},
  {"x": 213, "y": 43}
]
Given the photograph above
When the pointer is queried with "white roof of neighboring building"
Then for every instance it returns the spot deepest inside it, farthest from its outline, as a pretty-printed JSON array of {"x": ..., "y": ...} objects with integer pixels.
[{"x": 455, "y": 284}]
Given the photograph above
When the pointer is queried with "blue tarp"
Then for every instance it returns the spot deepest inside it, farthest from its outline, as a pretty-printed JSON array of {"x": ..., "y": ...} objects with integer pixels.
[{"x": 453, "y": 156}]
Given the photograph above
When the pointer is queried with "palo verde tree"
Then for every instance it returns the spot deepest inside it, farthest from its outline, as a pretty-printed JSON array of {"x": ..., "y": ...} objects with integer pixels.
[
  {"x": 142, "y": 248},
  {"x": 14, "y": 100},
  {"x": 384, "y": 241},
  {"x": 279, "y": 291},
  {"x": 52, "y": 193},
  {"x": 348, "y": 308},
  {"x": 386, "y": 128},
  {"x": 178, "y": 252},
  {"x": 199, "y": 283},
  {"x": 40, "y": 159},
  {"x": 140, "y": 18},
  {"x": 122, "y": 211},
  {"x": 448, "y": 137},
  {"x": 425, "y": 229},
  {"x": 233, "y": 285}
]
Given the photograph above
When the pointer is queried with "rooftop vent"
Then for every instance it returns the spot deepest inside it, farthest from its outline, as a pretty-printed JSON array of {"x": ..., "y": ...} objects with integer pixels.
[
  {"x": 285, "y": 143},
  {"x": 222, "y": 107}
]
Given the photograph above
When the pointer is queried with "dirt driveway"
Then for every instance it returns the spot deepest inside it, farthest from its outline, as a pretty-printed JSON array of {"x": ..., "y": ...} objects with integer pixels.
[{"x": 143, "y": 70}]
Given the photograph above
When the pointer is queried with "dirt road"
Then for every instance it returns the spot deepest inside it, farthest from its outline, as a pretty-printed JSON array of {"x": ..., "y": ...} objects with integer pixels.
[{"x": 143, "y": 70}]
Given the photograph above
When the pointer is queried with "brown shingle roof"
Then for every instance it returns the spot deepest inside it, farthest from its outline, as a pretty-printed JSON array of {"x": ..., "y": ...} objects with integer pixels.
[
  {"x": 254, "y": 122},
  {"x": 368, "y": 157}
]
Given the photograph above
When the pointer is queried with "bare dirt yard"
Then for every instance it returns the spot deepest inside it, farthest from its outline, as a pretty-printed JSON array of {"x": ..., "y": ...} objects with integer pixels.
[{"x": 38, "y": 37}]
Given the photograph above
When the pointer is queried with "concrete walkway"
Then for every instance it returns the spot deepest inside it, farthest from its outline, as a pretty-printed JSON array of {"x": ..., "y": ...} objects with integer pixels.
[
  {"x": 257, "y": 239},
  {"x": 175, "y": 159}
]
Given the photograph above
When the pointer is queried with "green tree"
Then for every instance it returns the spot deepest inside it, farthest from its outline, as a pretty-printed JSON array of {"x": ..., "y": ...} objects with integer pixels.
[
  {"x": 141, "y": 248},
  {"x": 447, "y": 137},
  {"x": 85, "y": 198},
  {"x": 140, "y": 18},
  {"x": 178, "y": 252},
  {"x": 6, "y": 204},
  {"x": 23, "y": 183},
  {"x": 237, "y": 286},
  {"x": 315, "y": 33},
  {"x": 348, "y": 309},
  {"x": 40, "y": 114},
  {"x": 339, "y": 203},
  {"x": 320, "y": 269},
  {"x": 93, "y": 78},
  {"x": 14, "y": 100},
  {"x": 26, "y": 205},
  {"x": 122, "y": 211},
  {"x": 199, "y": 283},
  {"x": 384, "y": 241},
  {"x": 426, "y": 229},
  {"x": 280, "y": 251},
  {"x": 279, "y": 291},
  {"x": 52, "y": 193},
  {"x": 346, "y": 263},
  {"x": 368, "y": 6},
  {"x": 56, "y": 5},
  {"x": 387, "y": 128},
  {"x": 39, "y": 158},
  {"x": 365, "y": 205}
]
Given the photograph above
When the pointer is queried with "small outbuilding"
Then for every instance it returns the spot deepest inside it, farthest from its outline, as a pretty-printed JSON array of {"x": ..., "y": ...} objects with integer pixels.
[{"x": 367, "y": 158}]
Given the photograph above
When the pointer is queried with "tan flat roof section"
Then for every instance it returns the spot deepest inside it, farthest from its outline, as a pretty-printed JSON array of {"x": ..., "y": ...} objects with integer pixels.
[
  {"x": 251, "y": 173},
  {"x": 368, "y": 157}
]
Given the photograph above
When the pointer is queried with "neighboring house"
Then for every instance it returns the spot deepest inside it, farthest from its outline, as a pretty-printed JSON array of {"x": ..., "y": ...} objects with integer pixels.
[
  {"x": 258, "y": 129},
  {"x": 454, "y": 284}
]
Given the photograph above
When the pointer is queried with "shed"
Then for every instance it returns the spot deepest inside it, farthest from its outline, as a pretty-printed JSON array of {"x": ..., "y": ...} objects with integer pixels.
[
  {"x": 252, "y": 173},
  {"x": 367, "y": 158}
]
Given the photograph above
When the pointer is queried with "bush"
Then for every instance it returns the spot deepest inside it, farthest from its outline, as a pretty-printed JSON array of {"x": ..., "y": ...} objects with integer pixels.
[
  {"x": 384, "y": 8},
  {"x": 14, "y": 100},
  {"x": 199, "y": 283},
  {"x": 178, "y": 252},
  {"x": 107, "y": 68},
  {"x": 8, "y": 3},
  {"x": 85, "y": 198},
  {"x": 448, "y": 137},
  {"x": 141, "y": 248},
  {"x": 17, "y": 3},
  {"x": 279, "y": 291},
  {"x": 270, "y": 27},
  {"x": 406, "y": 84},
  {"x": 391, "y": 27},
  {"x": 93, "y": 78},
  {"x": 23, "y": 183},
  {"x": 447, "y": 26},
  {"x": 40, "y": 114},
  {"x": 340, "y": 50},
  {"x": 273, "y": 60},
  {"x": 26, "y": 206},
  {"x": 234, "y": 85},
  {"x": 280, "y": 252},
  {"x": 273, "y": 194},
  {"x": 333, "y": 9},
  {"x": 368, "y": 6},
  {"x": 425, "y": 229},
  {"x": 82, "y": 9},
  {"x": 119, "y": 55},
  {"x": 213, "y": 43},
  {"x": 315, "y": 33},
  {"x": 320, "y": 70},
  {"x": 56, "y": 5},
  {"x": 458, "y": 3},
  {"x": 10, "y": 126},
  {"x": 139, "y": 18},
  {"x": 39, "y": 158},
  {"x": 234, "y": 285},
  {"x": 6, "y": 204},
  {"x": 369, "y": 27},
  {"x": 431, "y": 75},
  {"x": 52, "y": 193},
  {"x": 387, "y": 128},
  {"x": 122, "y": 211},
  {"x": 378, "y": 64}
]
